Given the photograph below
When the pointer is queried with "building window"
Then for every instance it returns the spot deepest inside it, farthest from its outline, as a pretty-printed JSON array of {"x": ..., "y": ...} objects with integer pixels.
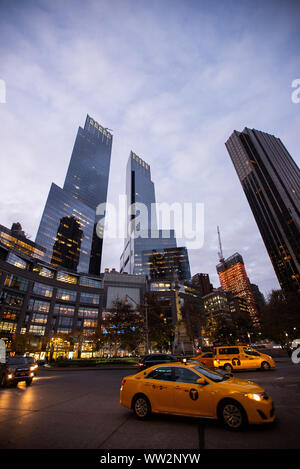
[
  {"x": 65, "y": 321},
  {"x": 66, "y": 295},
  {"x": 38, "y": 306},
  {"x": 42, "y": 290},
  {"x": 9, "y": 314},
  {"x": 11, "y": 299},
  {"x": 90, "y": 282},
  {"x": 89, "y": 298},
  {"x": 64, "y": 330},
  {"x": 88, "y": 313},
  {"x": 8, "y": 326},
  {"x": 90, "y": 324},
  {"x": 67, "y": 278},
  {"x": 17, "y": 261},
  {"x": 37, "y": 330},
  {"x": 39, "y": 318},
  {"x": 64, "y": 310},
  {"x": 43, "y": 271},
  {"x": 18, "y": 283}
]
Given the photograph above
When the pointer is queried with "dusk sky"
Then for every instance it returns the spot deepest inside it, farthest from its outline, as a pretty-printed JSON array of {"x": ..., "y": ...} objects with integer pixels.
[{"x": 173, "y": 79}]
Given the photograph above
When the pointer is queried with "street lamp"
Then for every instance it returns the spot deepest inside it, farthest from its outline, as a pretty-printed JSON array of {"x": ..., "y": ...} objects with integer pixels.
[{"x": 146, "y": 319}]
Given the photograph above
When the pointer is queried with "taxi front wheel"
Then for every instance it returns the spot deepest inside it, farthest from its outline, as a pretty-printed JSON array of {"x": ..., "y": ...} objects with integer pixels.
[
  {"x": 227, "y": 367},
  {"x": 232, "y": 415},
  {"x": 265, "y": 366},
  {"x": 141, "y": 407}
]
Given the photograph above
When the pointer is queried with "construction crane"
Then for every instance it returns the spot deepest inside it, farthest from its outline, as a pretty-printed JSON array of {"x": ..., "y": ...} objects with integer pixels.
[{"x": 220, "y": 253}]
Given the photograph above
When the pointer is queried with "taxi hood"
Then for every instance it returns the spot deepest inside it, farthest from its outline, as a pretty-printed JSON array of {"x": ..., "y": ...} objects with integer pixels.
[{"x": 241, "y": 385}]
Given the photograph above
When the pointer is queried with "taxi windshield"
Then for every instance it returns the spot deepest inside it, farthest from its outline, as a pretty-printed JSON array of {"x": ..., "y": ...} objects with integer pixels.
[{"x": 213, "y": 375}]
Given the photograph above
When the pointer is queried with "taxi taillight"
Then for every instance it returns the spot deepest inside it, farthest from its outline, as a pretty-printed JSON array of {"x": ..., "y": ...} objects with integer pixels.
[{"x": 123, "y": 382}]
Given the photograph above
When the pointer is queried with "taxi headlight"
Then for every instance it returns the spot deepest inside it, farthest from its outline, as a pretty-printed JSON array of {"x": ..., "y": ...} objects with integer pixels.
[{"x": 255, "y": 396}]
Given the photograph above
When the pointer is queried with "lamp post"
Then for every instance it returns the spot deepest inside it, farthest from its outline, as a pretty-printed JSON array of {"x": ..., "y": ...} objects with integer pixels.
[{"x": 146, "y": 319}]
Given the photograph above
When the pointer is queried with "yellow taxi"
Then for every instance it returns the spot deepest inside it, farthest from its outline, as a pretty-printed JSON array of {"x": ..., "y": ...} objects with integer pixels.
[
  {"x": 240, "y": 357},
  {"x": 194, "y": 390},
  {"x": 207, "y": 358}
]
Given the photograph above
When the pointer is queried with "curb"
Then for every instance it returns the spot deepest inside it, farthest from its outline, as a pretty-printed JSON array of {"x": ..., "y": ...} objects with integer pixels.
[{"x": 87, "y": 368}]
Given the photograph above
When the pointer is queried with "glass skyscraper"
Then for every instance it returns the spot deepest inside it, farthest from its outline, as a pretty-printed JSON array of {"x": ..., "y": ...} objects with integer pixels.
[
  {"x": 141, "y": 218},
  {"x": 68, "y": 226},
  {"x": 271, "y": 182},
  {"x": 162, "y": 264}
]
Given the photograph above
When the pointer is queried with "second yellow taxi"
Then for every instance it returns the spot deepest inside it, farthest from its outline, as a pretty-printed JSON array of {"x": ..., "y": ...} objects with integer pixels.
[{"x": 195, "y": 390}]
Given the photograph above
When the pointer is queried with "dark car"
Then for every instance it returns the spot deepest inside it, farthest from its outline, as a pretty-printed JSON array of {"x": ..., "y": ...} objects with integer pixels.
[
  {"x": 33, "y": 365},
  {"x": 15, "y": 369},
  {"x": 156, "y": 359}
]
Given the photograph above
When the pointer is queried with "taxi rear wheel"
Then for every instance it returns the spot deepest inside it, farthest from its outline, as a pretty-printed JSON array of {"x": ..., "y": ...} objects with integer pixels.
[
  {"x": 232, "y": 415},
  {"x": 141, "y": 407}
]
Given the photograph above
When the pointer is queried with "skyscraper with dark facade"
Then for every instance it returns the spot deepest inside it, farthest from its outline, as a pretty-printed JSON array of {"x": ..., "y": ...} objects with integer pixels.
[
  {"x": 271, "y": 182},
  {"x": 202, "y": 283},
  {"x": 68, "y": 226}
]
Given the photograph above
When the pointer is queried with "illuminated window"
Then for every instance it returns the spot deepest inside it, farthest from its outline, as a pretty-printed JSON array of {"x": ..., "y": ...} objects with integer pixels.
[
  {"x": 66, "y": 295},
  {"x": 43, "y": 290}
]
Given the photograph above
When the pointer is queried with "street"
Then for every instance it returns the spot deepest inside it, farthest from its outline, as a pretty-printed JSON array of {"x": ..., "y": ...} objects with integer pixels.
[{"x": 80, "y": 409}]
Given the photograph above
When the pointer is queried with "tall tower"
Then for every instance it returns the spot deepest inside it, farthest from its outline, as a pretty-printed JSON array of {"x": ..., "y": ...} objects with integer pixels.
[
  {"x": 143, "y": 234},
  {"x": 233, "y": 278},
  {"x": 68, "y": 226},
  {"x": 271, "y": 182}
]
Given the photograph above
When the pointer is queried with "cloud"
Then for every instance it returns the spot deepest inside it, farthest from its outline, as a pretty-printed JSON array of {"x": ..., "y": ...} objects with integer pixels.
[{"x": 172, "y": 79}]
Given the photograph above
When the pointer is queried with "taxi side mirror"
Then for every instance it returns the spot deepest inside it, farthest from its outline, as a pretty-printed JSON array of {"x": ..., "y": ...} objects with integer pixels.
[{"x": 201, "y": 382}]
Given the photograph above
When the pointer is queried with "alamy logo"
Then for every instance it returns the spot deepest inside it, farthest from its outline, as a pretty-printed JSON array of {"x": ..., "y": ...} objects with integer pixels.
[
  {"x": 186, "y": 219},
  {"x": 296, "y": 356},
  {"x": 296, "y": 93},
  {"x": 2, "y": 92}
]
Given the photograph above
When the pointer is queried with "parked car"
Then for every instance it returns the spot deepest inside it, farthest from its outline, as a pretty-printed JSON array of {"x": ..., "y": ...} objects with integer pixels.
[{"x": 156, "y": 359}]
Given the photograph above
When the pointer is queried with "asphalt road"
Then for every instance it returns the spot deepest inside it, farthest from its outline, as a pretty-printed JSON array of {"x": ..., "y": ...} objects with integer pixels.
[{"x": 81, "y": 410}]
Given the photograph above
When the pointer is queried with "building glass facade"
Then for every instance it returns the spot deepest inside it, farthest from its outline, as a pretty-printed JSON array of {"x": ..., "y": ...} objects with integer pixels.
[
  {"x": 142, "y": 218},
  {"x": 271, "y": 182},
  {"x": 166, "y": 264},
  {"x": 68, "y": 225},
  {"x": 66, "y": 231}
]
